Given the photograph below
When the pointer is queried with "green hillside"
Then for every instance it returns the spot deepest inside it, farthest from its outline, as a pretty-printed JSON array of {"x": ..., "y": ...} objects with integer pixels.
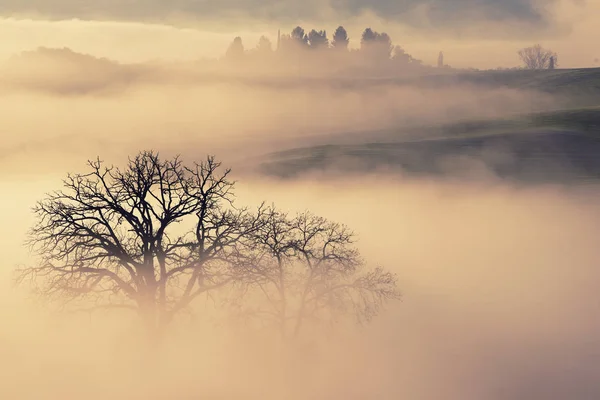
[
  {"x": 560, "y": 146},
  {"x": 581, "y": 85}
]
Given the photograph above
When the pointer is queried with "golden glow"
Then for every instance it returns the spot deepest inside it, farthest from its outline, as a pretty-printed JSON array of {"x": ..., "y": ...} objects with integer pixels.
[
  {"x": 572, "y": 37},
  {"x": 500, "y": 283}
]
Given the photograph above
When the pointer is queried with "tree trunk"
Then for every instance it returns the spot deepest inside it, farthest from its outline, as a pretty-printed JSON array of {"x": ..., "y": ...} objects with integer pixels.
[
  {"x": 153, "y": 328},
  {"x": 151, "y": 342}
]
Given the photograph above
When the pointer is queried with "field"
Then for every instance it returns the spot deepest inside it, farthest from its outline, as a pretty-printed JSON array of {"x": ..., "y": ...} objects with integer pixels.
[{"x": 560, "y": 145}]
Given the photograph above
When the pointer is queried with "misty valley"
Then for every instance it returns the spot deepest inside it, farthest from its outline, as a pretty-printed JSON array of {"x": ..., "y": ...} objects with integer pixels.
[{"x": 317, "y": 217}]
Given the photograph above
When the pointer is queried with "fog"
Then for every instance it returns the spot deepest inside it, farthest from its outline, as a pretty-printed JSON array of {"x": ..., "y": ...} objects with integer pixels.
[
  {"x": 62, "y": 102},
  {"x": 471, "y": 33},
  {"x": 499, "y": 281}
]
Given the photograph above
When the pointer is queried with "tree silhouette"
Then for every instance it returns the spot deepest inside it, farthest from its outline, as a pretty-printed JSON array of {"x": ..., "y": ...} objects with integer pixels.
[
  {"x": 151, "y": 237},
  {"x": 155, "y": 235},
  {"x": 536, "y": 57},
  {"x": 401, "y": 56},
  {"x": 305, "y": 270},
  {"x": 298, "y": 36},
  {"x": 235, "y": 52},
  {"x": 340, "y": 39},
  {"x": 385, "y": 43},
  {"x": 318, "y": 39},
  {"x": 368, "y": 36},
  {"x": 377, "y": 54},
  {"x": 264, "y": 45},
  {"x": 377, "y": 46}
]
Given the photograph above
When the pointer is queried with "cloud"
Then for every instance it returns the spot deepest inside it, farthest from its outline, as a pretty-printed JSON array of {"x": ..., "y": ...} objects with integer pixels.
[
  {"x": 450, "y": 13},
  {"x": 430, "y": 14},
  {"x": 65, "y": 71}
]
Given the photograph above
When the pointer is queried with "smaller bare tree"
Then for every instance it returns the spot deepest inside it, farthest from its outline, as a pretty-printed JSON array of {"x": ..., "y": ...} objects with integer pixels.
[
  {"x": 536, "y": 57},
  {"x": 306, "y": 271}
]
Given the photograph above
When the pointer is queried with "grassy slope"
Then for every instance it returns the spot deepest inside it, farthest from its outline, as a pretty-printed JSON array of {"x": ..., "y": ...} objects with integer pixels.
[
  {"x": 562, "y": 145},
  {"x": 577, "y": 84},
  {"x": 581, "y": 86}
]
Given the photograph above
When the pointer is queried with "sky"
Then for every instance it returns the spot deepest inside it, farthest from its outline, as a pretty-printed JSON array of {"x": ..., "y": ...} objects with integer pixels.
[{"x": 472, "y": 33}]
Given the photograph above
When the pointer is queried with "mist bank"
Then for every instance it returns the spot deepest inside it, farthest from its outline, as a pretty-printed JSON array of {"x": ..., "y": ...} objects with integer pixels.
[
  {"x": 233, "y": 121},
  {"x": 521, "y": 157},
  {"x": 498, "y": 275},
  {"x": 67, "y": 107},
  {"x": 61, "y": 102},
  {"x": 498, "y": 285},
  {"x": 63, "y": 72}
]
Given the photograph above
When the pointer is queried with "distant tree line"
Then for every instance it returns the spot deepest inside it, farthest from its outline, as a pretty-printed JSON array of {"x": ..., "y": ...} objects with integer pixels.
[{"x": 314, "y": 50}]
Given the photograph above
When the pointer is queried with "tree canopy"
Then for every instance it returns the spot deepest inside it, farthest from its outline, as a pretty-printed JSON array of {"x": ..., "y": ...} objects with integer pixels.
[
  {"x": 312, "y": 51},
  {"x": 116, "y": 238},
  {"x": 340, "y": 39},
  {"x": 305, "y": 269},
  {"x": 155, "y": 235},
  {"x": 537, "y": 57}
]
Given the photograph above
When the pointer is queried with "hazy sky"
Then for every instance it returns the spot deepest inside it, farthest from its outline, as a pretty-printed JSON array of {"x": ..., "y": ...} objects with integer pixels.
[
  {"x": 479, "y": 33},
  {"x": 441, "y": 13}
]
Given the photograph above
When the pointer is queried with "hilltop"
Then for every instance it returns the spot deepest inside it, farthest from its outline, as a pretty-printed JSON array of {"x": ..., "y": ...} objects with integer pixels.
[
  {"x": 560, "y": 146},
  {"x": 67, "y": 71}
]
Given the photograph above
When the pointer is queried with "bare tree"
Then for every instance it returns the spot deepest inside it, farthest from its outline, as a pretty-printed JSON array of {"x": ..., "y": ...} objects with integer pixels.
[
  {"x": 151, "y": 237},
  {"x": 536, "y": 57},
  {"x": 305, "y": 270}
]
